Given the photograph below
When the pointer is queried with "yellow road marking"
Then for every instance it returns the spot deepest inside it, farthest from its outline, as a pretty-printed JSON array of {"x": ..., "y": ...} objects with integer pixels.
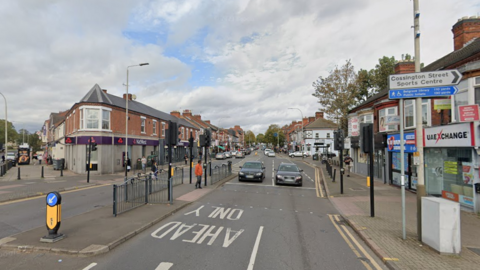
[
  {"x": 319, "y": 183},
  {"x": 390, "y": 259},
  {"x": 374, "y": 263},
  {"x": 318, "y": 186},
  {"x": 348, "y": 242},
  {"x": 43, "y": 196}
]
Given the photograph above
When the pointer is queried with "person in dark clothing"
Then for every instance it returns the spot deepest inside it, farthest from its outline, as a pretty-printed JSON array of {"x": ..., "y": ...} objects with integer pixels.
[
  {"x": 154, "y": 169},
  {"x": 128, "y": 165},
  {"x": 186, "y": 159},
  {"x": 348, "y": 163}
]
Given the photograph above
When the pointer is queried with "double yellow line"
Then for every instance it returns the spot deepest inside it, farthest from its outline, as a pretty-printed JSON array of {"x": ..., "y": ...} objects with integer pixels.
[
  {"x": 318, "y": 185},
  {"x": 353, "y": 243}
]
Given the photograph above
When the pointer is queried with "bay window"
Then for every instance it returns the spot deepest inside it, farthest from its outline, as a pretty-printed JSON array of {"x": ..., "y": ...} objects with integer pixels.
[
  {"x": 95, "y": 118},
  {"x": 382, "y": 127}
]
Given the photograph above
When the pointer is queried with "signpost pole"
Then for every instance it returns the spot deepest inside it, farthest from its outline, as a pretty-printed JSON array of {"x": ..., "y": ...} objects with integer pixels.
[
  {"x": 419, "y": 124},
  {"x": 402, "y": 168}
]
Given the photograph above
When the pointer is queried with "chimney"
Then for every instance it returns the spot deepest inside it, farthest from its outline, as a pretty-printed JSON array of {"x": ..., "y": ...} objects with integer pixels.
[
  {"x": 465, "y": 30},
  {"x": 175, "y": 113},
  {"x": 129, "y": 96},
  {"x": 237, "y": 127},
  {"x": 207, "y": 121},
  {"x": 311, "y": 119},
  {"x": 405, "y": 66},
  {"x": 104, "y": 90},
  {"x": 187, "y": 113},
  {"x": 198, "y": 117},
  {"x": 318, "y": 115}
]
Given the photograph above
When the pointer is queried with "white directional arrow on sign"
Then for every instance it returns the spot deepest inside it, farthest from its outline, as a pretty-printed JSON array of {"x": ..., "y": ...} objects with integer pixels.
[{"x": 425, "y": 79}]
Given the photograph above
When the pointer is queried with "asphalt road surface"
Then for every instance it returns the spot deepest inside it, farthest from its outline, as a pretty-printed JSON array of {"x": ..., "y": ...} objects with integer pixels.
[{"x": 242, "y": 225}]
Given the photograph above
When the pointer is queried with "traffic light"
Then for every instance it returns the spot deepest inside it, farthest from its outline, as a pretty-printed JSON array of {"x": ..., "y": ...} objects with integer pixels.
[
  {"x": 338, "y": 140},
  {"x": 94, "y": 146},
  {"x": 208, "y": 137},
  {"x": 366, "y": 138},
  {"x": 201, "y": 140},
  {"x": 172, "y": 133},
  {"x": 190, "y": 142}
]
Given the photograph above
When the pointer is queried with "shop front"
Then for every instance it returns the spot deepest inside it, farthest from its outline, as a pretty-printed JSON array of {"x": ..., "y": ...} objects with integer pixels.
[
  {"x": 449, "y": 163},
  {"x": 393, "y": 148}
]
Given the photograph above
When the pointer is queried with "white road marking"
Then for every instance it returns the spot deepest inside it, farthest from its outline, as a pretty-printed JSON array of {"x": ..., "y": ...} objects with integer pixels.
[
  {"x": 90, "y": 266},
  {"x": 255, "y": 249},
  {"x": 197, "y": 213},
  {"x": 164, "y": 266}
]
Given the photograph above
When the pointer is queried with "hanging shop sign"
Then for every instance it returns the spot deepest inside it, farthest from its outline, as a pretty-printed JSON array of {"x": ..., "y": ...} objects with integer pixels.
[
  {"x": 393, "y": 142},
  {"x": 449, "y": 136}
]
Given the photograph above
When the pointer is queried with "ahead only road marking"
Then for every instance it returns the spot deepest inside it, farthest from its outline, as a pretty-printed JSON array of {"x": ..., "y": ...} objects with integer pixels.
[{"x": 341, "y": 228}]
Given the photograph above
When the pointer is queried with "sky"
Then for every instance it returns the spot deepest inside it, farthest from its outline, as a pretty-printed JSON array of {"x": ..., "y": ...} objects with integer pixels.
[{"x": 235, "y": 62}]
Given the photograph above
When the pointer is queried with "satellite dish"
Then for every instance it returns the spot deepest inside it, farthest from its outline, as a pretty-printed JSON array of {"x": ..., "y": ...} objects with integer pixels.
[{"x": 134, "y": 97}]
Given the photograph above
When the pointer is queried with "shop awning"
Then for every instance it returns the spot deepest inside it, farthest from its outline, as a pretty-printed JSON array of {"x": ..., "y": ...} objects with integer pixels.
[{"x": 221, "y": 147}]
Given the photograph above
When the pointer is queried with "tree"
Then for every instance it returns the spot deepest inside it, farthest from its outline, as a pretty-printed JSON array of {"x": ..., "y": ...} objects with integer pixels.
[
  {"x": 337, "y": 93},
  {"x": 270, "y": 138},
  {"x": 34, "y": 141},
  {"x": 260, "y": 138},
  {"x": 11, "y": 132},
  {"x": 249, "y": 137},
  {"x": 384, "y": 68},
  {"x": 22, "y": 136}
]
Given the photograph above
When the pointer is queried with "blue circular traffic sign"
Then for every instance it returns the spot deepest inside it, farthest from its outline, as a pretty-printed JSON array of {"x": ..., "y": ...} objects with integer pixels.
[{"x": 52, "y": 198}]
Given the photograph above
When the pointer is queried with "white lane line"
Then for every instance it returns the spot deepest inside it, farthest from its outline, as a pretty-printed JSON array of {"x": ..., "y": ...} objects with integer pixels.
[
  {"x": 90, "y": 266},
  {"x": 255, "y": 249},
  {"x": 164, "y": 266}
]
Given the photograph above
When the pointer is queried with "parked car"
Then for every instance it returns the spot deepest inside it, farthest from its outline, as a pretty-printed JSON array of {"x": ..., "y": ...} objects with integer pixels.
[
  {"x": 220, "y": 156},
  {"x": 233, "y": 153},
  {"x": 289, "y": 174},
  {"x": 297, "y": 154},
  {"x": 12, "y": 157},
  {"x": 271, "y": 154},
  {"x": 252, "y": 171},
  {"x": 247, "y": 151},
  {"x": 266, "y": 151},
  {"x": 227, "y": 155},
  {"x": 239, "y": 154}
]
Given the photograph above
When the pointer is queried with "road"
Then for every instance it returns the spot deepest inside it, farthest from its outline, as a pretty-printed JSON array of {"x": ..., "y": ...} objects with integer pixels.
[{"x": 241, "y": 225}]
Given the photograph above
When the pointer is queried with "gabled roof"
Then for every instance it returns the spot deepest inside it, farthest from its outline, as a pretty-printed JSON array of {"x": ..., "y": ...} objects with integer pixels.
[
  {"x": 96, "y": 95},
  {"x": 457, "y": 56},
  {"x": 321, "y": 123},
  {"x": 232, "y": 132}
]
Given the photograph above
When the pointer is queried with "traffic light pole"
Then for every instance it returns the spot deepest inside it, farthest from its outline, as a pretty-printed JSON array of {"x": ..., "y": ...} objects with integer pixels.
[
  {"x": 89, "y": 155},
  {"x": 190, "y": 144},
  {"x": 206, "y": 164}
]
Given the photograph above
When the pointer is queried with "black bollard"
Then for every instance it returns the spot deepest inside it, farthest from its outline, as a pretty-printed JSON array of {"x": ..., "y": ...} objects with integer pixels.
[
  {"x": 334, "y": 173},
  {"x": 61, "y": 171},
  {"x": 18, "y": 173},
  {"x": 42, "y": 171}
]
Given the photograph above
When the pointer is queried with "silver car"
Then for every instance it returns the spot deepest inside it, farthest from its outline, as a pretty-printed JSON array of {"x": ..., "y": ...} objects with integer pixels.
[{"x": 220, "y": 156}]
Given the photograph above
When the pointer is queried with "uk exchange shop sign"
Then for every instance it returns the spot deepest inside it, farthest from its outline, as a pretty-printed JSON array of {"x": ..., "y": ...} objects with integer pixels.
[{"x": 393, "y": 142}]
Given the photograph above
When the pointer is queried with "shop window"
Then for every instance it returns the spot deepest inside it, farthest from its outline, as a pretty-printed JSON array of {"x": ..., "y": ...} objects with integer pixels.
[
  {"x": 154, "y": 127},
  {"x": 449, "y": 172},
  {"x": 382, "y": 115}
]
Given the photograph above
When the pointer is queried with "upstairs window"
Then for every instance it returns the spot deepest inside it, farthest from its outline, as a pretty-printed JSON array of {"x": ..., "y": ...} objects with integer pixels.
[
  {"x": 163, "y": 129},
  {"x": 95, "y": 118},
  {"x": 142, "y": 127},
  {"x": 154, "y": 127},
  {"x": 382, "y": 127}
]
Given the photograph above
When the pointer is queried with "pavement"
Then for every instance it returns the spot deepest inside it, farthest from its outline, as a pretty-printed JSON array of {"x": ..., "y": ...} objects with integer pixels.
[
  {"x": 82, "y": 231},
  {"x": 383, "y": 232}
]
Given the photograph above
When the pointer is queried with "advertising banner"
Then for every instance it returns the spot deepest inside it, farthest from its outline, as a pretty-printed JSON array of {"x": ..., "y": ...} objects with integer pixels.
[{"x": 393, "y": 142}]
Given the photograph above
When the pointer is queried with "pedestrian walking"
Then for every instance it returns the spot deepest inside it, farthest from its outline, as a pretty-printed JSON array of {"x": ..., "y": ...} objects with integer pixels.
[
  {"x": 40, "y": 157},
  {"x": 128, "y": 164},
  {"x": 144, "y": 164},
  {"x": 200, "y": 155},
  {"x": 3, "y": 158},
  {"x": 348, "y": 164},
  {"x": 154, "y": 169},
  {"x": 199, "y": 173},
  {"x": 186, "y": 159}
]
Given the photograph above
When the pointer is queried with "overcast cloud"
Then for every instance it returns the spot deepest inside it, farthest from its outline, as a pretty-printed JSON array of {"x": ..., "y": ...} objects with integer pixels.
[{"x": 240, "y": 62}]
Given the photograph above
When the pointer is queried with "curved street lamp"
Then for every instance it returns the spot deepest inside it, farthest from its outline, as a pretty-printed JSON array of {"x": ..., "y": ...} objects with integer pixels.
[{"x": 126, "y": 118}]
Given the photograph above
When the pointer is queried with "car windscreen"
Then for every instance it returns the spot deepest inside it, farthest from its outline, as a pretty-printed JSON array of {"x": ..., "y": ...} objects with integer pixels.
[
  {"x": 288, "y": 168},
  {"x": 252, "y": 165}
]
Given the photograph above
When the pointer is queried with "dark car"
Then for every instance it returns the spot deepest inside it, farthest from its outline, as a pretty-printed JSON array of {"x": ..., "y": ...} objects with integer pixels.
[
  {"x": 252, "y": 171},
  {"x": 288, "y": 174}
]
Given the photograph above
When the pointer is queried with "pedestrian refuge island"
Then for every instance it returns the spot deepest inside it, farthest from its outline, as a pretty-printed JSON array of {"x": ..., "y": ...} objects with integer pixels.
[{"x": 441, "y": 225}]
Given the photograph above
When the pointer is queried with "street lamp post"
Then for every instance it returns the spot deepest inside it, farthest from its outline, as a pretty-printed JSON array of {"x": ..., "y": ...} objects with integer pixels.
[
  {"x": 126, "y": 118},
  {"x": 302, "y": 128},
  {"x": 6, "y": 125}
]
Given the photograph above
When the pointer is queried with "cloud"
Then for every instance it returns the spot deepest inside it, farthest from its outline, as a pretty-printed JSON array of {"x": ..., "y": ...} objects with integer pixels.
[{"x": 239, "y": 62}]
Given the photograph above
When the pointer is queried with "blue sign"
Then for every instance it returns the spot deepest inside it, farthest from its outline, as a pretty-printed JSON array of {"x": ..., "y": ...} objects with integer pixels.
[
  {"x": 422, "y": 92},
  {"x": 52, "y": 199},
  {"x": 393, "y": 142},
  {"x": 275, "y": 134}
]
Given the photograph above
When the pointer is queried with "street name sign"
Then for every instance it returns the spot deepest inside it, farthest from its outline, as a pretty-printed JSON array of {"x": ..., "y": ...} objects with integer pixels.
[
  {"x": 424, "y": 79},
  {"x": 422, "y": 92}
]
